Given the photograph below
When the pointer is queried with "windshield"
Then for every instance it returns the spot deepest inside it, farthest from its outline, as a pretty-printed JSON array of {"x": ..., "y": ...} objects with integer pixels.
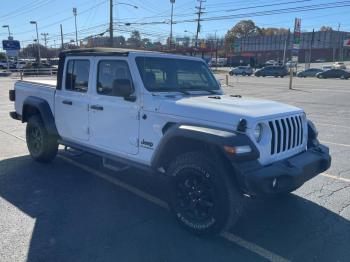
[{"x": 169, "y": 74}]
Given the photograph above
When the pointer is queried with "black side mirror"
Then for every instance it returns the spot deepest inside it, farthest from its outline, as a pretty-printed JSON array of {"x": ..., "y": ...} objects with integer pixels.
[{"x": 123, "y": 88}]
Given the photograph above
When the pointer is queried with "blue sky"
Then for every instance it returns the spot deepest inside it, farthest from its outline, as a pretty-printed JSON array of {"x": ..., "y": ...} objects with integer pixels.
[{"x": 93, "y": 17}]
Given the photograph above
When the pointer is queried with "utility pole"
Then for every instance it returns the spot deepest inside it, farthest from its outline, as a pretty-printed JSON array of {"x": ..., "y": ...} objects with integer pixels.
[
  {"x": 311, "y": 44},
  {"x": 286, "y": 42},
  {"x": 335, "y": 45},
  {"x": 171, "y": 23},
  {"x": 340, "y": 43},
  {"x": 111, "y": 23},
  {"x": 45, "y": 38},
  {"x": 199, "y": 13},
  {"x": 37, "y": 38},
  {"x": 216, "y": 53},
  {"x": 62, "y": 46},
  {"x": 75, "y": 21}
]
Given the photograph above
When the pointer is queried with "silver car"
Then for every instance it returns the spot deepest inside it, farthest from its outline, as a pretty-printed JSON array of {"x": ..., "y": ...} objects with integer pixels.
[{"x": 241, "y": 70}]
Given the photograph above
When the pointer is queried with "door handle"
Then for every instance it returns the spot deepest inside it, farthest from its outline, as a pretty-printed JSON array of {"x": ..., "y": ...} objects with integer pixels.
[
  {"x": 96, "y": 107},
  {"x": 67, "y": 102}
]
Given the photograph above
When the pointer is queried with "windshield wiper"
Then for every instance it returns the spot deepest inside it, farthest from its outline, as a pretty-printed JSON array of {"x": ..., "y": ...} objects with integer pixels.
[
  {"x": 182, "y": 91},
  {"x": 210, "y": 91}
]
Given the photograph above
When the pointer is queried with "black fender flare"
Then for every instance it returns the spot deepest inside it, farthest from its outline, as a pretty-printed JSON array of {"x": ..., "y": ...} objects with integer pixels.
[
  {"x": 213, "y": 136},
  {"x": 45, "y": 112}
]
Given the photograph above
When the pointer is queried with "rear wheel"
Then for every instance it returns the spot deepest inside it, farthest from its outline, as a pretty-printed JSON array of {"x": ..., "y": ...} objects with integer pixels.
[
  {"x": 41, "y": 145},
  {"x": 230, "y": 73},
  {"x": 202, "y": 196}
]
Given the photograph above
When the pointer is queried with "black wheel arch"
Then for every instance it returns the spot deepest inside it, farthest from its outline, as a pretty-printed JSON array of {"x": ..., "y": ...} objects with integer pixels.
[
  {"x": 38, "y": 106},
  {"x": 181, "y": 138}
]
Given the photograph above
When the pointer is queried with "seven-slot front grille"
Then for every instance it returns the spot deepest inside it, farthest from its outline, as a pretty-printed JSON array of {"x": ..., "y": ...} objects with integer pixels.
[{"x": 287, "y": 133}]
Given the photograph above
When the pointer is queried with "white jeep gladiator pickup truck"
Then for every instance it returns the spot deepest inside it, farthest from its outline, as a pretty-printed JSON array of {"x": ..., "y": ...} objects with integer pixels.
[{"x": 167, "y": 114}]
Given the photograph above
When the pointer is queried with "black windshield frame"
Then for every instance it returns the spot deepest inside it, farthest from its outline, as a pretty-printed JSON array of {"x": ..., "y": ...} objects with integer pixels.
[{"x": 162, "y": 74}]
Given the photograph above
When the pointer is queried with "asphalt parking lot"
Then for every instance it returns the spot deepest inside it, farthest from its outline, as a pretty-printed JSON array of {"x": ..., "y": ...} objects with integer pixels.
[{"x": 74, "y": 210}]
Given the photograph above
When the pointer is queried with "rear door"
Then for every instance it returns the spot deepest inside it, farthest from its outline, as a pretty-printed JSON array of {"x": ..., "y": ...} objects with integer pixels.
[
  {"x": 114, "y": 121},
  {"x": 72, "y": 101}
]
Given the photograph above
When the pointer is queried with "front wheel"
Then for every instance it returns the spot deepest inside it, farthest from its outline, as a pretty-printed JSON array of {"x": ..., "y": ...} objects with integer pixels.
[
  {"x": 203, "y": 198},
  {"x": 41, "y": 145}
]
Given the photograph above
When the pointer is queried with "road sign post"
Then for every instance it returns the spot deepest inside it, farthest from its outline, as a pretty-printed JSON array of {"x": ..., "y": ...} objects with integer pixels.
[
  {"x": 12, "y": 48},
  {"x": 295, "y": 49}
]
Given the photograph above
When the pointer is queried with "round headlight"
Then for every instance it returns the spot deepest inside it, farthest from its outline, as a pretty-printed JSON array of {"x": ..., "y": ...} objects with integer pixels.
[{"x": 258, "y": 130}]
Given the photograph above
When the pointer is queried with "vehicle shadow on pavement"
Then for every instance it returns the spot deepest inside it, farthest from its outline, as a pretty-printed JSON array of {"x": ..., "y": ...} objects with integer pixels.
[{"x": 79, "y": 217}]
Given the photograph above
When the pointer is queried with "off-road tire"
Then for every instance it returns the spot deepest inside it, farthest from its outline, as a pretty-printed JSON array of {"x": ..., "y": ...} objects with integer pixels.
[
  {"x": 223, "y": 194},
  {"x": 41, "y": 145}
]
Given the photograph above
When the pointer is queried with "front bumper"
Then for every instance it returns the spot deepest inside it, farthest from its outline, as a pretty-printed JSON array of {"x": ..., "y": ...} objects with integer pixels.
[{"x": 285, "y": 175}]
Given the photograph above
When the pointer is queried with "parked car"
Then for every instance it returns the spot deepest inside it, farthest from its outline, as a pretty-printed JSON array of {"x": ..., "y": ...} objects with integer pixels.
[
  {"x": 291, "y": 64},
  {"x": 321, "y": 60},
  {"x": 21, "y": 64},
  {"x": 3, "y": 64},
  {"x": 339, "y": 65},
  {"x": 311, "y": 72},
  {"x": 334, "y": 73},
  {"x": 276, "y": 71},
  {"x": 271, "y": 63},
  {"x": 210, "y": 148},
  {"x": 241, "y": 70},
  {"x": 327, "y": 67}
]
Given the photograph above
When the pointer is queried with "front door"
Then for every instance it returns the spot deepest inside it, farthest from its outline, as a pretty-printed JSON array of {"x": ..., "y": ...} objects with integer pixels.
[
  {"x": 72, "y": 100},
  {"x": 114, "y": 121}
]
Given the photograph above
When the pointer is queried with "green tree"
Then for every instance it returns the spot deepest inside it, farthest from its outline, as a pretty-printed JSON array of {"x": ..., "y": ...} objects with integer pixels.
[
  {"x": 325, "y": 28},
  {"x": 134, "y": 40},
  {"x": 273, "y": 31},
  {"x": 243, "y": 28}
]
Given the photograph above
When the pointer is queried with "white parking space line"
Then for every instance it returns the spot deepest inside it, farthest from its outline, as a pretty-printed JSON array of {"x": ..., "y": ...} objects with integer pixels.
[
  {"x": 118, "y": 183},
  {"x": 253, "y": 247},
  {"x": 7, "y": 133},
  {"x": 226, "y": 235},
  {"x": 328, "y": 124},
  {"x": 336, "y": 144},
  {"x": 336, "y": 177}
]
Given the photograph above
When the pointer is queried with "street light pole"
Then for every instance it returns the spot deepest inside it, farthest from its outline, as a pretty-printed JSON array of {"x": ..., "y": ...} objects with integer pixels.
[
  {"x": 37, "y": 38},
  {"x": 8, "y": 29},
  {"x": 111, "y": 19},
  {"x": 171, "y": 23},
  {"x": 75, "y": 20},
  {"x": 111, "y": 23}
]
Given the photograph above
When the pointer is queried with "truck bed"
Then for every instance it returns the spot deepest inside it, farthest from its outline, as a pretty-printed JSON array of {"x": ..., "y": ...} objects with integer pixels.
[
  {"x": 44, "y": 88},
  {"x": 45, "y": 82}
]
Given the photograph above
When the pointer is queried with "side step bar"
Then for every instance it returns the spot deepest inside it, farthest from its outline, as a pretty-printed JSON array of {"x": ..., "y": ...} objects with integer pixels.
[
  {"x": 114, "y": 165},
  {"x": 110, "y": 161}
]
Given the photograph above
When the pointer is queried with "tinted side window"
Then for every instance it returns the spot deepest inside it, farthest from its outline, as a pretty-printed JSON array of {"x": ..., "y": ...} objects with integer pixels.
[
  {"x": 108, "y": 72},
  {"x": 77, "y": 75}
]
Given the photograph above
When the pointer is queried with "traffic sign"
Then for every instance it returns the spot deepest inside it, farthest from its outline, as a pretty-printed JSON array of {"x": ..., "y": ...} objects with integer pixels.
[
  {"x": 11, "y": 45},
  {"x": 347, "y": 42},
  {"x": 297, "y": 33}
]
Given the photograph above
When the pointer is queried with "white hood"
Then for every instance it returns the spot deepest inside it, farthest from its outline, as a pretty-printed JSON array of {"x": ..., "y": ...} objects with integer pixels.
[{"x": 225, "y": 109}]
